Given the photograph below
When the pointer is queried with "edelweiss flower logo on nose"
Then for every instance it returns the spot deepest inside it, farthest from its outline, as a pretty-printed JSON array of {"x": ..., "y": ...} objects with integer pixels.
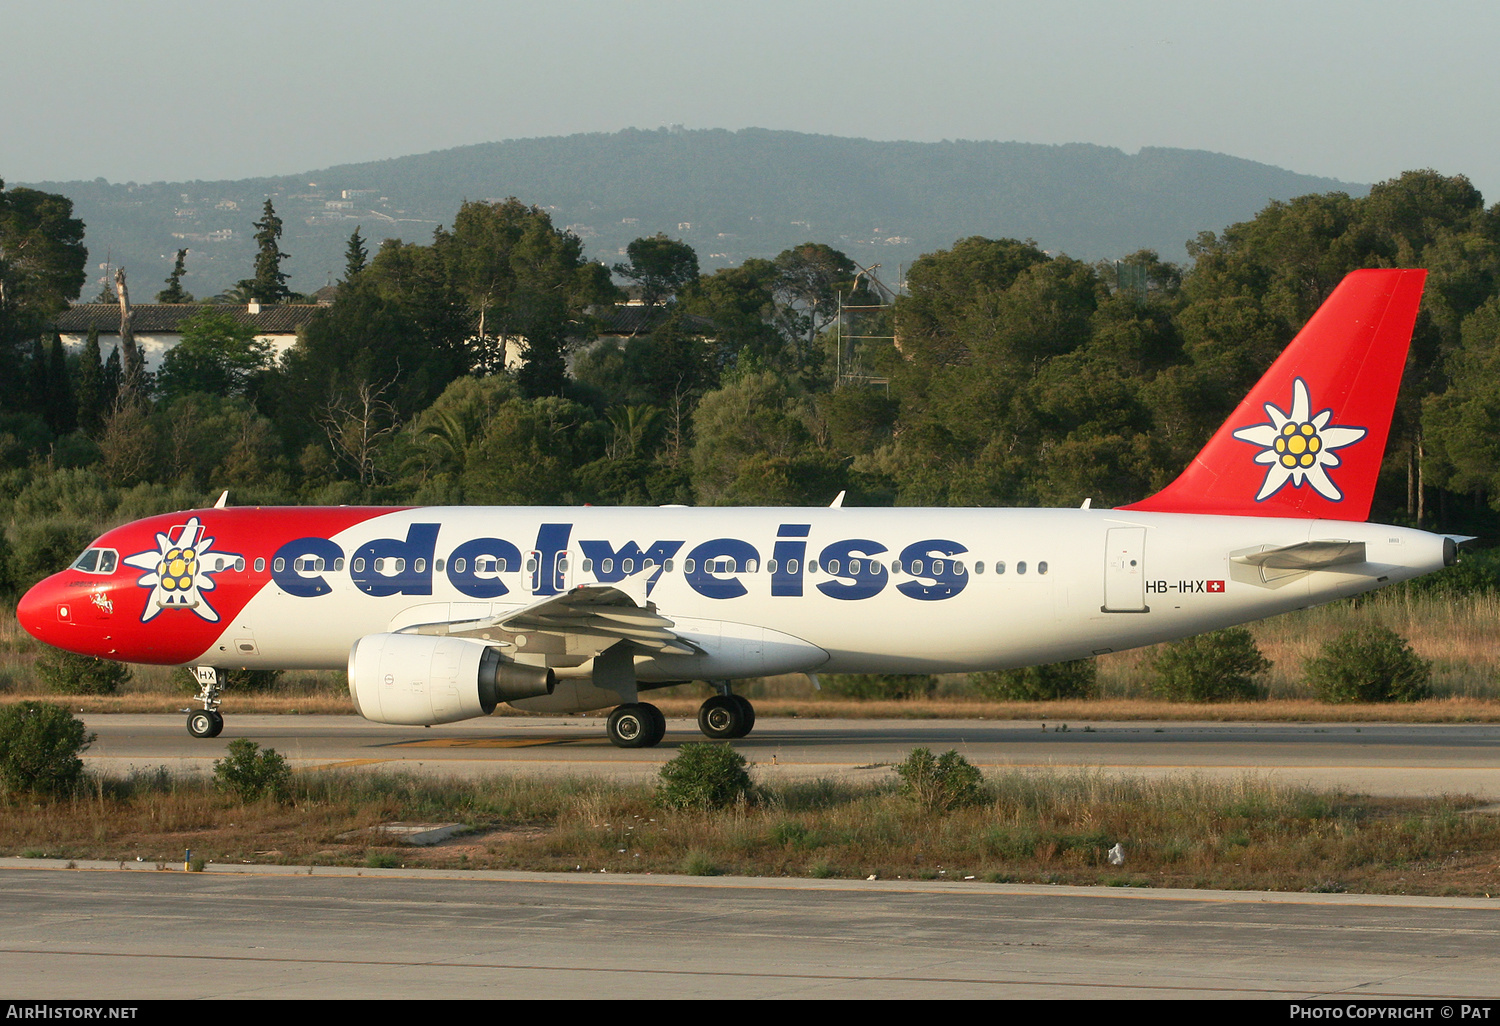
[
  {"x": 178, "y": 571},
  {"x": 1298, "y": 446}
]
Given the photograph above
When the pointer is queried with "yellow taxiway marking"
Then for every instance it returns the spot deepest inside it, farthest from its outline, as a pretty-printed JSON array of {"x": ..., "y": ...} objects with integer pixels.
[{"x": 489, "y": 742}]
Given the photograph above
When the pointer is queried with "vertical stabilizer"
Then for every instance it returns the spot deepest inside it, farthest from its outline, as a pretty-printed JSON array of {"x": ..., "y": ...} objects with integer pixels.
[{"x": 1309, "y": 438}]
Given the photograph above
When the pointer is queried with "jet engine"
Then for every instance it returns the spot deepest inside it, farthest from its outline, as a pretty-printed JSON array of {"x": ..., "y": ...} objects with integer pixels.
[{"x": 422, "y": 679}]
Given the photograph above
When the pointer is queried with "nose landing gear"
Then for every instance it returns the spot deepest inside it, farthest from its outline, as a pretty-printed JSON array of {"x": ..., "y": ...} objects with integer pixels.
[{"x": 207, "y": 722}]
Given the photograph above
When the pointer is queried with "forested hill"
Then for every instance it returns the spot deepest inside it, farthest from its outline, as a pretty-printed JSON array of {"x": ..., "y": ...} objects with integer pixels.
[{"x": 730, "y": 195}]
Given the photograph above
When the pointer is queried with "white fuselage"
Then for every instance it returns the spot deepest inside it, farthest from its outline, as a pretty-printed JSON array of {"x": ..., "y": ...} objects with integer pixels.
[{"x": 1075, "y": 583}]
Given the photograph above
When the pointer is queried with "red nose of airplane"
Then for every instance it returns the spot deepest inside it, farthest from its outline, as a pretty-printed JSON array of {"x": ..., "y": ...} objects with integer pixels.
[{"x": 47, "y": 614}]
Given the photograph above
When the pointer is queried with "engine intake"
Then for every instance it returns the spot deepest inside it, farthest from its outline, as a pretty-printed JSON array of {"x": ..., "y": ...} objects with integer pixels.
[{"x": 421, "y": 679}]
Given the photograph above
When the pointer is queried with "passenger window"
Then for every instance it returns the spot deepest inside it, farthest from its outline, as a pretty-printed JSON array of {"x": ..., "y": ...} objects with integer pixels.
[
  {"x": 500, "y": 566},
  {"x": 1041, "y": 567},
  {"x": 770, "y": 566},
  {"x": 239, "y": 564},
  {"x": 588, "y": 566},
  {"x": 937, "y": 567},
  {"x": 279, "y": 565},
  {"x": 459, "y": 565},
  {"x": 1021, "y": 567},
  {"x": 359, "y": 564},
  {"x": 833, "y": 566},
  {"x": 854, "y": 567},
  {"x": 338, "y": 564},
  {"x": 1000, "y": 566},
  {"x": 979, "y": 566},
  {"x": 420, "y": 566},
  {"x": 688, "y": 565},
  {"x": 668, "y": 566},
  {"x": 437, "y": 566},
  {"x": 895, "y": 566},
  {"x": 916, "y": 567},
  {"x": 607, "y": 566},
  {"x": 627, "y": 565},
  {"x": 812, "y": 566},
  {"x": 260, "y": 564},
  {"x": 958, "y": 567}
]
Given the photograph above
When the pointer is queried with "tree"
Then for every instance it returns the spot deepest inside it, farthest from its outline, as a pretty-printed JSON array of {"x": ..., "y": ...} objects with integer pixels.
[
  {"x": 218, "y": 354},
  {"x": 808, "y": 280},
  {"x": 356, "y": 257},
  {"x": 41, "y": 271},
  {"x": 174, "y": 292},
  {"x": 269, "y": 283},
  {"x": 90, "y": 392},
  {"x": 522, "y": 279},
  {"x": 662, "y": 267}
]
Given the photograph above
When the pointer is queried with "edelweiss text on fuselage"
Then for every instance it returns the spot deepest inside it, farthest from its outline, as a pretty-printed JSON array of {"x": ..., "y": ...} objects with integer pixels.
[{"x": 714, "y": 568}]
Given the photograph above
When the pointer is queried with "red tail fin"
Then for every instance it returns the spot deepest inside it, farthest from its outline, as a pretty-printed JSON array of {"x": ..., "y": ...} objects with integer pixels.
[{"x": 1308, "y": 439}]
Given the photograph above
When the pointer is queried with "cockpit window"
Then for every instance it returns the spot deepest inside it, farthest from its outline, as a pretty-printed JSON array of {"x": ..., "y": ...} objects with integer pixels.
[{"x": 97, "y": 561}]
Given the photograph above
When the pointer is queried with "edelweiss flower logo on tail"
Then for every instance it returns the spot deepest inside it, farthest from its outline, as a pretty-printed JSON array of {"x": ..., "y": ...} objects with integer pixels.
[
  {"x": 178, "y": 571},
  {"x": 1298, "y": 446}
]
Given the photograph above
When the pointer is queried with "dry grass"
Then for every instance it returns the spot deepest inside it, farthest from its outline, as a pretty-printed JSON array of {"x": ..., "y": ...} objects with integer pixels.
[{"x": 1032, "y": 827}]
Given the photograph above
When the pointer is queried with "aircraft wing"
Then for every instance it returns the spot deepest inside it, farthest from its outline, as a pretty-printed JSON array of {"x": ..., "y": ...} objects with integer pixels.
[{"x": 586, "y": 619}]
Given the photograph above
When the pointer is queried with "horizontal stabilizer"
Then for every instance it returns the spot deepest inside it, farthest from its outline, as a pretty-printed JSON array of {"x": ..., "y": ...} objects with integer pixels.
[{"x": 1312, "y": 555}]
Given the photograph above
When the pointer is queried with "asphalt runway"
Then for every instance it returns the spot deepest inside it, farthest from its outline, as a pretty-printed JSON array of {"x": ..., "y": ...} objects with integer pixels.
[
  {"x": 106, "y": 931},
  {"x": 108, "y": 934},
  {"x": 1382, "y": 759}
]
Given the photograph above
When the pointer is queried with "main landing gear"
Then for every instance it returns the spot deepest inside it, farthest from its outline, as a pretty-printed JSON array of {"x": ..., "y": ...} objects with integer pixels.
[
  {"x": 207, "y": 722},
  {"x": 641, "y": 725},
  {"x": 726, "y": 715},
  {"x": 636, "y": 725}
]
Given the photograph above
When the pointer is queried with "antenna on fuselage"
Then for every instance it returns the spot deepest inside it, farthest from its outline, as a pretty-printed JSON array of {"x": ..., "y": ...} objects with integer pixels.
[{"x": 223, "y": 500}]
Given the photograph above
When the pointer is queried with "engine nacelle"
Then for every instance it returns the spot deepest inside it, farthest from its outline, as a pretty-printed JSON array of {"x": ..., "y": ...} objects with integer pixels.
[{"x": 424, "y": 679}]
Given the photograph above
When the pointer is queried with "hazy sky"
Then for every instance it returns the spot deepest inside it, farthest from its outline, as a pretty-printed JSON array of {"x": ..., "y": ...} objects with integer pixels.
[{"x": 174, "y": 90}]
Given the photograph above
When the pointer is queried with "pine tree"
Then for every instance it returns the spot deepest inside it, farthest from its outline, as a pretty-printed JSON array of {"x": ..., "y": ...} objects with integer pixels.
[
  {"x": 174, "y": 292},
  {"x": 269, "y": 283},
  {"x": 356, "y": 257},
  {"x": 90, "y": 389},
  {"x": 62, "y": 412}
]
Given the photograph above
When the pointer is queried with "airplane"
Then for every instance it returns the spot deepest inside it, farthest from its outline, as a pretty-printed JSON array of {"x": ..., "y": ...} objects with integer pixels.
[{"x": 442, "y": 614}]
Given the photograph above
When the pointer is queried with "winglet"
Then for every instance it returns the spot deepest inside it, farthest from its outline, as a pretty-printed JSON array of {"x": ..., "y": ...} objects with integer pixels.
[{"x": 1309, "y": 438}]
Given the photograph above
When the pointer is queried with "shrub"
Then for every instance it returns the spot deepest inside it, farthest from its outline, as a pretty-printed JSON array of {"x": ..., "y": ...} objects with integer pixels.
[
  {"x": 704, "y": 776},
  {"x": 67, "y": 674},
  {"x": 39, "y": 748},
  {"x": 948, "y": 781},
  {"x": 890, "y": 686},
  {"x": 1369, "y": 664},
  {"x": 1217, "y": 667},
  {"x": 1077, "y": 678},
  {"x": 249, "y": 774}
]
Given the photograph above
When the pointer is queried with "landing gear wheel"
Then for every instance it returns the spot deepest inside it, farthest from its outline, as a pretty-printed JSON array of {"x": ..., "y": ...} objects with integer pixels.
[
  {"x": 658, "y": 724},
  {"x": 747, "y": 711},
  {"x": 205, "y": 723},
  {"x": 726, "y": 716},
  {"x": 636, "y": 725}
]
